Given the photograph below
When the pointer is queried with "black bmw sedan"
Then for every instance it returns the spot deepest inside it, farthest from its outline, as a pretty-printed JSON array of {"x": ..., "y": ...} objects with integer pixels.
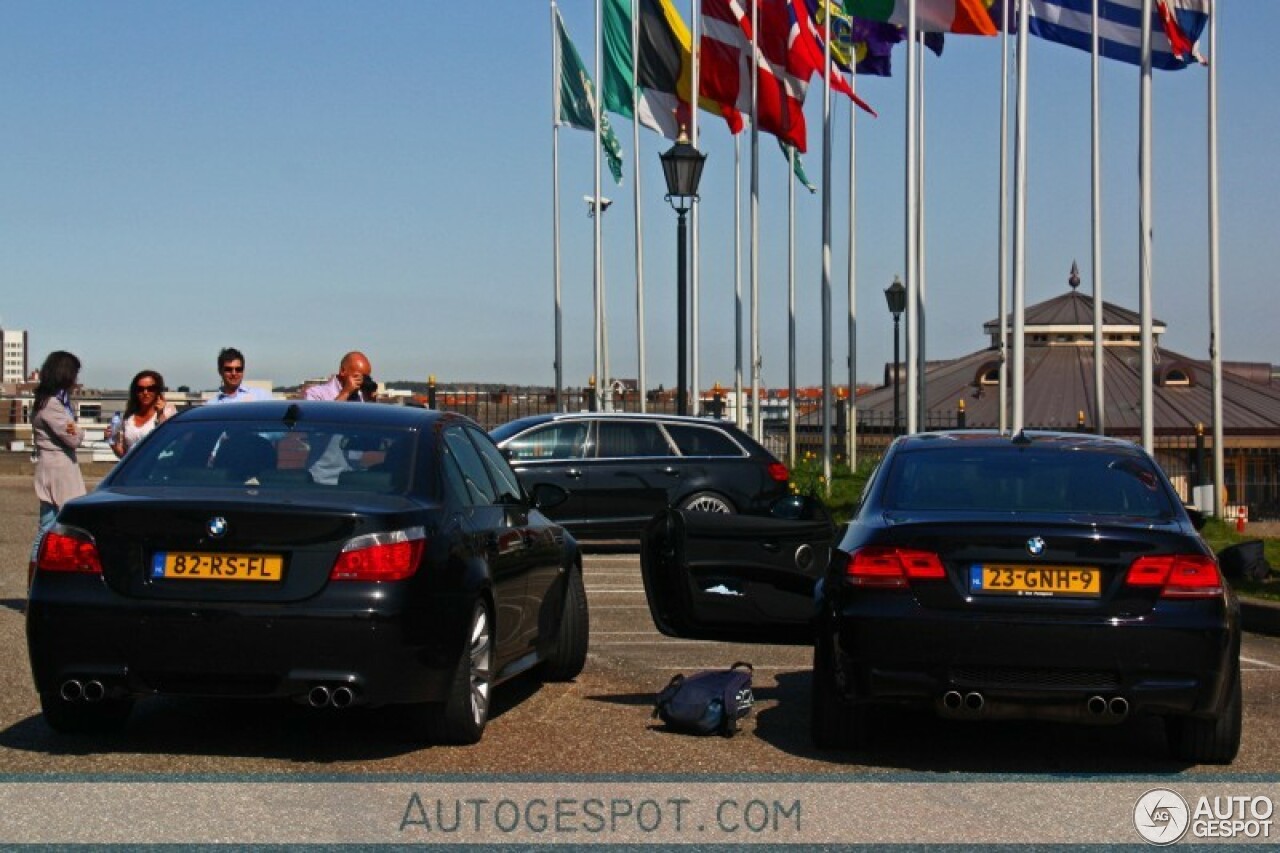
[
  {"x": 326, "y": 553},
  {"x": 1040, "y": 576}
]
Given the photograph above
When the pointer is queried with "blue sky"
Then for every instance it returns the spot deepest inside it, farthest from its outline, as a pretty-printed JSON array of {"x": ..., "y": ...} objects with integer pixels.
[{"x": 302, "y": 178}]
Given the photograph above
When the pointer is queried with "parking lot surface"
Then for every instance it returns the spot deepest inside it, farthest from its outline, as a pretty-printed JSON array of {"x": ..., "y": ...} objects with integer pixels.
[{"x": 600, "y": 723}]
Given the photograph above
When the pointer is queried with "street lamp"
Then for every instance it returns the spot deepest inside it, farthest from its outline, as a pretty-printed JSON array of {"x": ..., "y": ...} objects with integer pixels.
[
  {"x": 896, "y": 295},
  {"x": 682, "y": 167}
]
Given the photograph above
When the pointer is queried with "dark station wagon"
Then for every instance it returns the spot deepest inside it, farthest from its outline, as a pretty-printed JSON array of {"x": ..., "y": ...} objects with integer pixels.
[{"x": 622, "y": 469}]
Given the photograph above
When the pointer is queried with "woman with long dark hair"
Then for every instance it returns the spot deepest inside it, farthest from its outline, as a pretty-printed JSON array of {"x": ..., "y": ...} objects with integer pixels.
[
  {"x": 56, "y": 437},
  {"x": 145, "y": 411}
]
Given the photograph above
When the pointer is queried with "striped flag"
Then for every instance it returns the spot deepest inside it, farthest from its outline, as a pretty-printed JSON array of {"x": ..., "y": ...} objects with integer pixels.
[
  {"x": 963, "y": 17},
  {"x": 1175, "y": 27},
  {"x": 662, "y": 56}
]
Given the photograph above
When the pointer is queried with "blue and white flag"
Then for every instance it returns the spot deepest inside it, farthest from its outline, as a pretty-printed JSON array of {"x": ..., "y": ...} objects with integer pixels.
[{"x": 1175, "y": 27}]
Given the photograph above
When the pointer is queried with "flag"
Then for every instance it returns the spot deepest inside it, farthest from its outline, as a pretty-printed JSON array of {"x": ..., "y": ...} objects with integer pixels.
[
  {"x": 797, "y": 167},
  {"x": 1175, "y": 27},
  {"x": 663, "y": 59},
  {"x": 808, "y": 52},
  {"x": 963, "y": 17},
  {"x": 577, "y": 99}
]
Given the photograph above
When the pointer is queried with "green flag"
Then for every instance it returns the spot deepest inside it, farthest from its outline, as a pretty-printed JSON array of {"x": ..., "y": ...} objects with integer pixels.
[
  {"x": 797, "y": 166},
  {"x": 577, "y": 100}
]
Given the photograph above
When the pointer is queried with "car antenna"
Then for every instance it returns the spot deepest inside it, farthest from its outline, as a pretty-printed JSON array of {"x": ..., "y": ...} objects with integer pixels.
[{"x": 291, "y": 415}]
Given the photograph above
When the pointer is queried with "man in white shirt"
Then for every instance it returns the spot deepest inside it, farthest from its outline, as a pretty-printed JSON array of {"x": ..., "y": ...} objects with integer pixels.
[{"x": 231, "y": 369}]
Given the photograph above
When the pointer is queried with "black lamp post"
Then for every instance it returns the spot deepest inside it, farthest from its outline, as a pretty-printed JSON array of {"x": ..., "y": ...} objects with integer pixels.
[
  {"x": 682, "y": 167},
  {"x": 896, "y": 295}
]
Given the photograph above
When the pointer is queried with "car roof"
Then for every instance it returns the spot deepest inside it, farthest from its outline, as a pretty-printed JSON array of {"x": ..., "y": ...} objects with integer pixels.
[
  {"x": 1037, "y": 438},
  {"x": 301, "y": 411}
]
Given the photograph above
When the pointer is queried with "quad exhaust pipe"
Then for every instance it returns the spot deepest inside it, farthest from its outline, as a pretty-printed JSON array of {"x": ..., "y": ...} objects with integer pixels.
[
  {"x": 74, "y": 690},
  {"x": 323, "y": 696}
]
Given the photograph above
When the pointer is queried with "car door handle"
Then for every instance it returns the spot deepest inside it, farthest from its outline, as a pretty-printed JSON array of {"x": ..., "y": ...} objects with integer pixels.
[
  {"x": 670, "y": 471},
  {"x": 771, "y": 547},
  {"x": 573, "y": 473}
]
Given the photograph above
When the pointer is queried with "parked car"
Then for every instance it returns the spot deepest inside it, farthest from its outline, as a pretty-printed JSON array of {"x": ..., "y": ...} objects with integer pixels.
[
  {"x": 327, "y": 553},
  {"x": 621, "y": 469},
  {"x": 1045, "y": 575}
]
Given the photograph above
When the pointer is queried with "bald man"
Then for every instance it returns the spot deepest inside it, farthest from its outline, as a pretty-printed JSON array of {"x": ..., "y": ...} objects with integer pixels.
[{"x": 345, "y": 384}]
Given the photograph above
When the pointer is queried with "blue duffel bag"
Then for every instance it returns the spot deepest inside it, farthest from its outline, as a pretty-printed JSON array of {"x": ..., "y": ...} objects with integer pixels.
[{"x": 708, "y": 702}]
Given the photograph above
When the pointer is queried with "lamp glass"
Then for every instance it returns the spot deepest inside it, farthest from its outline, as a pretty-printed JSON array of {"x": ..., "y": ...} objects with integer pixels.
[
  {"x": 896, "y": 296},
  {"x": 682, "y": 168}
]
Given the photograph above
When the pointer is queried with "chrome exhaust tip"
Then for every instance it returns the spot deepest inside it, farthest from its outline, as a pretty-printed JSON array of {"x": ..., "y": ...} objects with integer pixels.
[
  {"x": 1097, "y": 706},
  {"x": 952, "y": 700},
  {"x": 71, "y": 690},
  {"x": 974, "y": 701},
  {"x": 93, "y": 691},
  {"x": 1119, "y": 706},
  {"x": 319, "y": 696},
  {"x": 342, "y": 697}
]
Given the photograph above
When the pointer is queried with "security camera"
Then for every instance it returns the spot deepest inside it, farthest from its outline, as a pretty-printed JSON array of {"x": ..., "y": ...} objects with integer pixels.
[{"x": 591, "y": 204}]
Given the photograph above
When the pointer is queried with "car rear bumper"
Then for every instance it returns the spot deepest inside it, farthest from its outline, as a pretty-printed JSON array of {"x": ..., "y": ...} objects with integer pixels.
[
  {"x": 1175, "y": 660},
  {"x": 360, "y": 640}
]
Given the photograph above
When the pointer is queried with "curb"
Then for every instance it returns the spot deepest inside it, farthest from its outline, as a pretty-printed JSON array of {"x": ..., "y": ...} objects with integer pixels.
[{"x": 1259, "y": 616}]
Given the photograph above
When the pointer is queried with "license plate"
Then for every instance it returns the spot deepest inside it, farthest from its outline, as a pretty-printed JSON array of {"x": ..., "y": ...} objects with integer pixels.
[
  {"x": 1035, "y": 581},
  {"x": 217, "y": 567}
]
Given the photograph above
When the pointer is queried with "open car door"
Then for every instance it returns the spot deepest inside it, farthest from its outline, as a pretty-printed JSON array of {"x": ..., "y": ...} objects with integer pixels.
[{"x": 740, "y": 578}]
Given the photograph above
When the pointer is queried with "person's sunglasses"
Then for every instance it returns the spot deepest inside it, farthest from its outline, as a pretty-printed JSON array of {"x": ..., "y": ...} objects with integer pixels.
[
  {"x": 146, "y": 389},
  {"x": 229, "y": 369}
]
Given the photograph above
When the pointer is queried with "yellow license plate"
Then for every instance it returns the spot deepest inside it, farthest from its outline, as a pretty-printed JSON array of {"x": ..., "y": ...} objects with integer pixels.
[
  {"x": 1035, "y": 581},
  {"x": 184, "y": 565}
]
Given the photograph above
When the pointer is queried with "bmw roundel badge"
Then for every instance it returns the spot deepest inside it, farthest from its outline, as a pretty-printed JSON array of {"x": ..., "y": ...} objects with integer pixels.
[
  {"x": 1035, "y": 546},
  {"x": 217, "y": 527}
]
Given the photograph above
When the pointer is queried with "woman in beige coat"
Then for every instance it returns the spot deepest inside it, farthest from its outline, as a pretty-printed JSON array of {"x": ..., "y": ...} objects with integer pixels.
[{"x": 56, "y": 437}]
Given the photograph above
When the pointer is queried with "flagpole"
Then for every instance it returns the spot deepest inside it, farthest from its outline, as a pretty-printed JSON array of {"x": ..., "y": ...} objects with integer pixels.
[
  {"x": 1002, "y": 287},
  {"x": 635, "y": 183},
  {"x": 1020, "y": 224},
  {"x": 1215, "y": 314},
  {"x": 827, "y": 408},
  {"x": 598, "y": 267},
  {"x": 695, "y": 395},
  {"x": 792, "y": 159},
  {"x": 1144, "y": 233},
  {"x": 912, "y": 217},
  {"x": 756, "y": 431},
  {"x": 739, "y": 412},
  {"x": 922, "y": 358},
  {"x": 1099, "y": 372},
  {"x": 558, "y": 363},
  {"x": 851, "y": 453}
]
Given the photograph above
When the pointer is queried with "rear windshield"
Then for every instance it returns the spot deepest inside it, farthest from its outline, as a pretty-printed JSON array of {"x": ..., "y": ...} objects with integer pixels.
[
  {"x": 263, "y": 455},
  {"x": 1002, "y": 479}
]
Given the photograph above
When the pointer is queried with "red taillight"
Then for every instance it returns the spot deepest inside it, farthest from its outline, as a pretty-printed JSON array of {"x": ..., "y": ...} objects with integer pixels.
[
  {"x": 391, "y": 556},
  {"x": 65, "y": 549},
  {"x": 1178, "y": 575},
  {"x": 778, "y": 472},
  {"x": 878, "y": 565}
]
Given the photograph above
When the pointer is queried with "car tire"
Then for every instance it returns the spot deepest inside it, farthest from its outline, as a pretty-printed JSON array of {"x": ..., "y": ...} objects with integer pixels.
[
  {"x": 569, "y": 655},
  {"x": 834, "y": 722},
  {"x": 707, "y": 502},
  {"x": 462, "y": 717},
  {"x": 1211, "y": 740},
  {"x": 106, "y": 715}
]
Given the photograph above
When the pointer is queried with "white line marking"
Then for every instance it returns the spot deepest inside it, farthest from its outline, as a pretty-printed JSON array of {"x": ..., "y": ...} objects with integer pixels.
[{"x": 1261, "y": 663}]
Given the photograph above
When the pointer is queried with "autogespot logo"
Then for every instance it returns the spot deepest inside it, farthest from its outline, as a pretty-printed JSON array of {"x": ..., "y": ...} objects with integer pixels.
[{"x": 1161, "y": 816}]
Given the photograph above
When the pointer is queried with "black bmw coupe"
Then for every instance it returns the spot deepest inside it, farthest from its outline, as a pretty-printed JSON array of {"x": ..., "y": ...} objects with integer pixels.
[
  {"x": 326, "y": 553},
  {"x": 1044, "y": 575}
]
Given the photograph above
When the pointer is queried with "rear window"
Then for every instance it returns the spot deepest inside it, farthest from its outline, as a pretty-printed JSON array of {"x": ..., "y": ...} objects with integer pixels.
[
  {"x": 1081, "y": 481},
  {"x": 702, "y": 441},
  {"x": 554, "y": 441},
  {"x": 264, "y": 456}
]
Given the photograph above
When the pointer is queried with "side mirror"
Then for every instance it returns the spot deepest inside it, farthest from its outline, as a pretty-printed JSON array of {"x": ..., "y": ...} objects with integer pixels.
[
  {"x": 548, "y": 495},
  {"x": 800, "y": 508}
]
